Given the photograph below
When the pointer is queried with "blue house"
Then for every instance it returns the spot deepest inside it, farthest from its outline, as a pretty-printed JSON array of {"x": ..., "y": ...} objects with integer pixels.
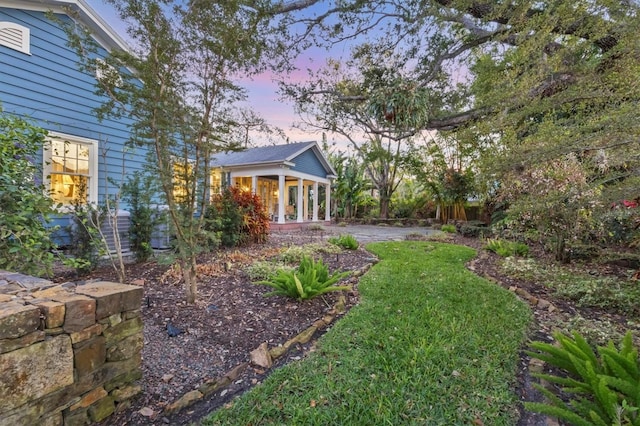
[
  {"x": 287, "y": 178},
  {"x": 40, "y": 80}
]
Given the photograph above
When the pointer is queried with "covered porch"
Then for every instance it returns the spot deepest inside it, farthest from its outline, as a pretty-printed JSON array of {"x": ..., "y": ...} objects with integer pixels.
[
  {"x": 293, "y": 180},
  {"x": 288, "y": 198}
]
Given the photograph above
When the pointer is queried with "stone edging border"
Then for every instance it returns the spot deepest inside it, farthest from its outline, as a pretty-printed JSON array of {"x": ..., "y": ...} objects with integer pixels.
[
  {"x": 262, "y": 357},
  {"x": 535, "y": 365}
]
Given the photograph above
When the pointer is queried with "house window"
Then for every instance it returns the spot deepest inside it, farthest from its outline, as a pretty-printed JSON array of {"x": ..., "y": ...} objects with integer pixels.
[
  {"x": 15, "y": 36},
  {"x": 216, "y": 182},
  {"x": 243, "y": 183},
  {"x": 71, "y": 168},
  {"x": 182, "y": 177}
]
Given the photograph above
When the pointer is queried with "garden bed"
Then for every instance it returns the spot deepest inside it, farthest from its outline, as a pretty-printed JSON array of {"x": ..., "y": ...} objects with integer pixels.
[{"x": 230, "y": 319}]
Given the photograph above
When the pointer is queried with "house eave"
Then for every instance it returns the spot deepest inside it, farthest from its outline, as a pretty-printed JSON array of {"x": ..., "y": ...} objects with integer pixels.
[
  {"x": 254, "y": 164},
  {"x": 100, "y": 29}
]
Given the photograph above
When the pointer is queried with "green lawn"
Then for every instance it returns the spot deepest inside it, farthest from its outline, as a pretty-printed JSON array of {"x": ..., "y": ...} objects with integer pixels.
[{"x": 430, "y": 343}]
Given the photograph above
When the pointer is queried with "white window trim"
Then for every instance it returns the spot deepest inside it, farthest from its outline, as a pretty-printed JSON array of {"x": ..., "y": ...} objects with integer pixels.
[
  {"x": 7, "y": 34},
  {"x": 92, "y": 197}
]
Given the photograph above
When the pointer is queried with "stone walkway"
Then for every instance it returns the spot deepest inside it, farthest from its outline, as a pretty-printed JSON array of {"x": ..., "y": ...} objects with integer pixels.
[{"x": 370, "y": 233}]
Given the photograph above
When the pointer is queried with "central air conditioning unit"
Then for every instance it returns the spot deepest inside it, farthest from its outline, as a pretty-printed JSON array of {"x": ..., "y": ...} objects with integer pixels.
[
  {"x": 161, "y": 235},
  {"x": 123, "y": 222}
]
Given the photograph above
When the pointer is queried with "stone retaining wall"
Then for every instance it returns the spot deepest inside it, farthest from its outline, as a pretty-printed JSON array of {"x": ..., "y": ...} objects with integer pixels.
[{"x": 69, "y": 354}]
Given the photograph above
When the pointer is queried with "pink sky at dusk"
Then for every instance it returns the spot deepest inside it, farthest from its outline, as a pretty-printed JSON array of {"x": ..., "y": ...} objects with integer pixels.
[{"x": 261, "y": 90}]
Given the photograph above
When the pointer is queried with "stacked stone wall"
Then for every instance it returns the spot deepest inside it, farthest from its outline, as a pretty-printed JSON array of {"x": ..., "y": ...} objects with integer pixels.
[{"x": 69, "y": 354}]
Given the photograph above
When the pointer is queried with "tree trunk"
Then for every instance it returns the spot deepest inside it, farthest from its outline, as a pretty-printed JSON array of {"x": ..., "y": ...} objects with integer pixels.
[
  {"x": 384, "y": 208},
  {"x": 458, "y": 211},
  {"x": 561, "y": 254},
  {"x": 190, "y": 280},
  {"x": 444, "y": 213}
]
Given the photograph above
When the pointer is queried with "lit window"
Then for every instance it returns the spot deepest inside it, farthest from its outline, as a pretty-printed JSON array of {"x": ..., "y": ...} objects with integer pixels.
[
  {"x": 244, "y": 183},
  {"x": 182, "y": 176},
  {"x": 216, "y": 182},
  {"x": 72, "y": 168}
]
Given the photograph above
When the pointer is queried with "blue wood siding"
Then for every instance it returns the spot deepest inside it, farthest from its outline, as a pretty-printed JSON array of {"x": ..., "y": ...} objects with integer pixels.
[
  {"x": 308, "y": 162},
  {"x": 48, "y": 88}
]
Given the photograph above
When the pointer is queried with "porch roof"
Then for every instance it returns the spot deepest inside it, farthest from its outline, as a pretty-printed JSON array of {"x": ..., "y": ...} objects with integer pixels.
[{"x": 288, "y": 154}]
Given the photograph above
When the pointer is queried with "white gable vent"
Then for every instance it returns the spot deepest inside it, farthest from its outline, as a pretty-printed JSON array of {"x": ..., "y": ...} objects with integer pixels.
[{"x": 15, "y": 36}]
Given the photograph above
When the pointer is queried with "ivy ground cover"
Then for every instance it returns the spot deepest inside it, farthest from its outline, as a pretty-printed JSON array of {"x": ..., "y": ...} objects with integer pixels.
[{"x": 429, "y": 343}]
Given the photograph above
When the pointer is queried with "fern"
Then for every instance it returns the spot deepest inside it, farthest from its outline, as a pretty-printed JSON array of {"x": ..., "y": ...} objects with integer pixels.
[
  {"x": 347, "y": 242},
  {"x": 311, "y": 279},
  {"x": 603, "y": 387}
]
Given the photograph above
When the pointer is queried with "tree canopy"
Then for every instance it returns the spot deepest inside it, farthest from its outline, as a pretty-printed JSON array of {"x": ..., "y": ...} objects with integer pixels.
[{"x": 535, "y": 82}]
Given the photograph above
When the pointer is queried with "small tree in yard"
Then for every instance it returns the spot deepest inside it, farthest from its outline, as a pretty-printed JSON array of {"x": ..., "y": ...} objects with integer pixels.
[
  {"x": 180, "y": 78},
  {"x": 25, "y": 239},
  {"x": 553, "y": 199}
]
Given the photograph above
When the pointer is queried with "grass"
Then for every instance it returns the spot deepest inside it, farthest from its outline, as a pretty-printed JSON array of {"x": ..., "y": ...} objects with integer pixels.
[{"x": 430, "y": 343}]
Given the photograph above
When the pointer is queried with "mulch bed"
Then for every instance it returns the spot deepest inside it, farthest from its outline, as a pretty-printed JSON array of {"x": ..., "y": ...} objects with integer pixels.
[{"x": 231, "y": 318}]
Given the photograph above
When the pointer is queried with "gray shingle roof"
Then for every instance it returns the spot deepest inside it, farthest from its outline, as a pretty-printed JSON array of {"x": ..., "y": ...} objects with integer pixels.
[{"x": 263, "y": 154}]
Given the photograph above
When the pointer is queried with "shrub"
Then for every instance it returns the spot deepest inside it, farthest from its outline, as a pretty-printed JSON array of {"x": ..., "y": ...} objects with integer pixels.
[
  {"x": 505, "y": 248},
  {"x": 311, "y": 279},
  {"x": 295, "y": 254},
  {"x": 264, "y": 270},
  {"x": 255, "y": 220},
  {"x": 223, "y": 219},
  {"x": 137, "y": 192},
  {"x": 25, "y": 240},
  {"x": 237, "y": 217},
  {"x": 347, "y": 242},
  {"x": 87, "y": 246},
  {"x": 610, "y": 293},
  {"x": 602, "y": 388},
  {"x": 471, "y": 231},
  {"x": 449, "y": 228},
  {"x": 584, "y": 251}
]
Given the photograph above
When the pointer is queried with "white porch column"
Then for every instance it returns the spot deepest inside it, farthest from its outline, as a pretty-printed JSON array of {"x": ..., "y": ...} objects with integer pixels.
[
  {"x": 305, "y": 203},
  {"x": 315, "y": 202},
  {"x": 254, "y": 184},
  {"x": 281, "y": 199},
  {"x": 300, "y": 204},
  {"x": 327, "y": 202}
]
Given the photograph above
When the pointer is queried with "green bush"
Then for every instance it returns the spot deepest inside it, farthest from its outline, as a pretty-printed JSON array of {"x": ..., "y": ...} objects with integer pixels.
[
  {"x": 600, "y": 388},
  {"x": 137, "y": 192},
  {"x": 347, "y": 242},
  {"x": 295, "y": 254},
  {"x": 449, "y": 228},
  {"x": 25, "y": 240},
  {"x": 265, "y": 270},
  {"x": 311, "y": 279},
  {"x": 610, "y": 293},
  {"x": 505, "y": 248},
  {"x": 584, "y": 251},
  {"x": 87, "y": 246},
  {"x": 471, "y": 231},
  {"x": 223, "y": 220}
]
